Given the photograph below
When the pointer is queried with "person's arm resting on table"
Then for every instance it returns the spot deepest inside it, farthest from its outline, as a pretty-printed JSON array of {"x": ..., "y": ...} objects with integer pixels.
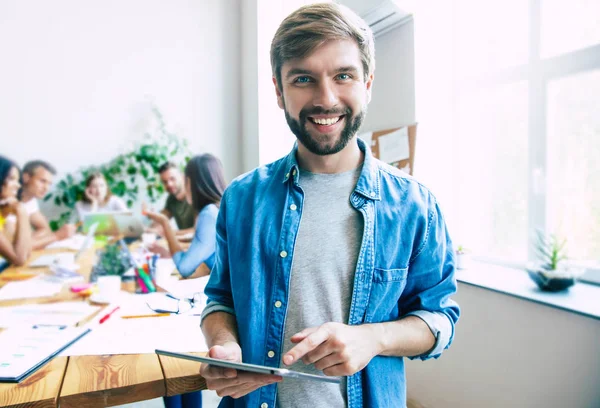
[
  {"x": 425, "y": 329},
  {"x": 42, "y": 234},
  {"x": 17, "y": 253}
]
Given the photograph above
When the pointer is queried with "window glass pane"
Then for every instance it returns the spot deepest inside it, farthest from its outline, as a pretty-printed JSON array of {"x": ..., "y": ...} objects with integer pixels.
[
  {"x": 490, "y": 35},
  {"x": 573, "y": 183},
  {"x": 493, "y": 164},
  {"x": 568, "y": 25}
]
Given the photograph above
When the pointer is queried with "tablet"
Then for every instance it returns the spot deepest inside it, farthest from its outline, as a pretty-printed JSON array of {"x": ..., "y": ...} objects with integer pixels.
[{"x": 283, "y": 372}]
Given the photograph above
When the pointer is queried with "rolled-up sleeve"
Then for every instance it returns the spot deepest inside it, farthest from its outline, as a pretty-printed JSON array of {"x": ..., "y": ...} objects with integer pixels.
[
  {"x": 218, "y": 288},
  {"x": 431, "y": 282}
]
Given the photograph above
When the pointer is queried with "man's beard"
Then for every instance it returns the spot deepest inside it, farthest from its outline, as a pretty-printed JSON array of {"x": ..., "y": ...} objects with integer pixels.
[{"x": 326, "y": 145}]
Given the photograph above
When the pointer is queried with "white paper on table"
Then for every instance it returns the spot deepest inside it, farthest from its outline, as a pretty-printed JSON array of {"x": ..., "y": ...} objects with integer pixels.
[
  {"x": 74, "y": 243},
  {"x": 367, "y": 137},
  {"x": 393, "y": 147},
  {"x": 31, "y": 288},
  {"x": 55, "y": 314},
  {"x": 179, "y": 333}
]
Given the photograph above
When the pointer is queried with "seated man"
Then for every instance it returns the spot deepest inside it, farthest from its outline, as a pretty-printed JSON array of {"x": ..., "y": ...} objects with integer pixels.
[
  {"x": 176, "y": 205},
  {"x": 37, "y": 179}
]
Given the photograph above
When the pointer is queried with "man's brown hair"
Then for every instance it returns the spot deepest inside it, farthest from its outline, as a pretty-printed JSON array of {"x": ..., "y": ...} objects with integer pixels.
[{"x": 311, "y": 26}]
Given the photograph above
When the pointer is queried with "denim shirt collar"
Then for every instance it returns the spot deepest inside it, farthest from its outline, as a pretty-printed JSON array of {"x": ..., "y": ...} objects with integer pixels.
[{"x": 368, "y": 182}]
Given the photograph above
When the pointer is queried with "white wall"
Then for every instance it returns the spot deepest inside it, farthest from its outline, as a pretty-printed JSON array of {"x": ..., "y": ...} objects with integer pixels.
[
  {"x": 393, "y": 101},
  {"x": 510, "y": 352},
  {"x": 76, "y": 77}
]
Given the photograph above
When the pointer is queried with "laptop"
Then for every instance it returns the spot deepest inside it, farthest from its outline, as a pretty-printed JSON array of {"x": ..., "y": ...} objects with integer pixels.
[
  {"x": 53, "y": 259},
  {"x": 115, "y": 223}
]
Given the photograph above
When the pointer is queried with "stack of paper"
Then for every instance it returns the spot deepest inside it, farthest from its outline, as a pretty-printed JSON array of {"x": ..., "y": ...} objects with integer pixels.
[
  {"x": 55, "y": 314},
  {"x": 32, "y": 288},
  {"x": 74, "y": 243}
]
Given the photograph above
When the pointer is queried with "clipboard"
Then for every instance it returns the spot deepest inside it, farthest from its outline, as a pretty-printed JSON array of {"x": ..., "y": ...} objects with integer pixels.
[
  {"x": 24, "y": 351},
  {"x": 253, "y": 368}
]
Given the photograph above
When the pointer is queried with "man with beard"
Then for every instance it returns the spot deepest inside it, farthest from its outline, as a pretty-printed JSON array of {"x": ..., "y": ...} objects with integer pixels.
[
  {"x": 327, "y": 260},
  {"x": 176, "y": 205}
]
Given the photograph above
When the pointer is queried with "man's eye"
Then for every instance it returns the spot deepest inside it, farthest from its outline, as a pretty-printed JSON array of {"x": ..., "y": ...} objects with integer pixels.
[
  {"x": 302, "y": 80},
  {"x": 344, "y": 77}
]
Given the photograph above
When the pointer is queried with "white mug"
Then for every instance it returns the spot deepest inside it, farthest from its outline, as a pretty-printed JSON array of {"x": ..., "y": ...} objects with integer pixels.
[{"x": 109, "y": 286}]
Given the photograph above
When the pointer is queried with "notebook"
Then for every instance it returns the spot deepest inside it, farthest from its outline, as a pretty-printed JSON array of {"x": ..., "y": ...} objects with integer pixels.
[{"x": 24, "y": 350}]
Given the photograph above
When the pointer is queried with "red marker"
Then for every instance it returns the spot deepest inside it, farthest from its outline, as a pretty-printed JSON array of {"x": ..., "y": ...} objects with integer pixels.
[{"x": 109, "y": 314}]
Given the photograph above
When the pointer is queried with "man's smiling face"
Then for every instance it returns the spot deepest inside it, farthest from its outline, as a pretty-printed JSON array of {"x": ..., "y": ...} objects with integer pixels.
[{"x": 325, "y": 96}]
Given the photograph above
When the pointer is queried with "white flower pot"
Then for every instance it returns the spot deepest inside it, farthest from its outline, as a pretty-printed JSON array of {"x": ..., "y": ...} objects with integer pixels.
[{"x": 463, "y": 261}]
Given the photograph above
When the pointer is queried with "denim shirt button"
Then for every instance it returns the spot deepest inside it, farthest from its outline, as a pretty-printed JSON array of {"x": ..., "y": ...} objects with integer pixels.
[
  {"x": 264, "y": 405},
  {"x": 278, "y": 304},
  {"x": 372, "y": 193},
  {"x": 293, "y": 207},
  {"x": 283, "y": 254},
  {"x": 271, "y": 354}
]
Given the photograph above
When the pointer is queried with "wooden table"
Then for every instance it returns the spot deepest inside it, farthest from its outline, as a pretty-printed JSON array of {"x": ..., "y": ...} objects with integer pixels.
[{"x": 95, "y": 381}]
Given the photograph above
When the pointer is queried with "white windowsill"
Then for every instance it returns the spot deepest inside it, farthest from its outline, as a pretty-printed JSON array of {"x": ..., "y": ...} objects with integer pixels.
[{"x": 580, "y": 298}]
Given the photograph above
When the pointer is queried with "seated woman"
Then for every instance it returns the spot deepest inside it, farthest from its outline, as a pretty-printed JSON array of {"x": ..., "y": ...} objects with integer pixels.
[
  {"x": 97, "y": 197},
  {"x": 15, "y": 230},
  {"x": 204, "y": 187}
]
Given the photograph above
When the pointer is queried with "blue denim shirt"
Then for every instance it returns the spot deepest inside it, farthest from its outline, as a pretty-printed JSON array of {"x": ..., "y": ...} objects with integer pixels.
[{"x": 405, "y": 267}]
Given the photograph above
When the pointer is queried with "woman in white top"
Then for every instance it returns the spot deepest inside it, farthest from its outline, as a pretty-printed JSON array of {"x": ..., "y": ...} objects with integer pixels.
[{"x": 98, "y": 198}]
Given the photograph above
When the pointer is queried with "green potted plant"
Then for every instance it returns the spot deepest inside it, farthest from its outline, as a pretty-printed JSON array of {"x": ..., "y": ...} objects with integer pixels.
[
  {"x": 551, "y": 271},
  {"x": 108, "y": 272},
  {"x": 112, "y": 261}
]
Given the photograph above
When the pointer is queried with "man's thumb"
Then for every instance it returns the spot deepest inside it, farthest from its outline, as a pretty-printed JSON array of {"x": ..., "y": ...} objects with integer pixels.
[{"x": 228, "y": 351}]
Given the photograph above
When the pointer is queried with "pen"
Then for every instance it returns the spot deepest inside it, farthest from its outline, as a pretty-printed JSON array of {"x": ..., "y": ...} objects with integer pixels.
[
  {"x": 148, "y": 315},
  {"x": 109, "y": 314}
]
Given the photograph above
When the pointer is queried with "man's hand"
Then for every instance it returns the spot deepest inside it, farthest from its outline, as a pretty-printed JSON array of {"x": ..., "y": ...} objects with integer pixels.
[
  {"x": 230, "y": 382},
  {"x": 90, "y": 196},
  {"x": 160, "y": 250},
  {"x": 66, "y": 231},
  {"x": 12, "y": 204},
  {"x": 335, "y": 348}
]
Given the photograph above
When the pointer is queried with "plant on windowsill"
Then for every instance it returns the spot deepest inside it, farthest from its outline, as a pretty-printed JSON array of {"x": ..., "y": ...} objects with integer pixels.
[{"x": 551, "y": 272}]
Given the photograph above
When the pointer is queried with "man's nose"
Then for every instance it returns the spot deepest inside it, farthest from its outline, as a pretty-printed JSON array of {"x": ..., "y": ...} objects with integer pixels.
[{"x": 325, "y": 95}]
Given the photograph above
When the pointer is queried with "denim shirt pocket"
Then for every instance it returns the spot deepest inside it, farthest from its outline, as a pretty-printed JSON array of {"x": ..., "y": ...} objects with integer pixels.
[{"x": 386, "y": 288}]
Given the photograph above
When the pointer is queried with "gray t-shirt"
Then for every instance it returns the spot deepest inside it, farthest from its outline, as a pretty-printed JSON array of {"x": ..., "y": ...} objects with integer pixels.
[{"x": 322, "y": 277}]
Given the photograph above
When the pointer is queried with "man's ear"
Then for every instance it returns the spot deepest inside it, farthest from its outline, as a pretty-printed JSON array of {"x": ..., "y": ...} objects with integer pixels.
[
  {"x": 279, "y": 94},
  {"x": 26, "y": 177},
  {"x": 369, "y": 86}
]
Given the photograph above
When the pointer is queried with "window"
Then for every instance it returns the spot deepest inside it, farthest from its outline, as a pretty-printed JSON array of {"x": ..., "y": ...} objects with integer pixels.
[
  {"x": 568, "y": 26},
  {"x": 527, "y": 125},
  {"x": 573, "y": 182}
]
